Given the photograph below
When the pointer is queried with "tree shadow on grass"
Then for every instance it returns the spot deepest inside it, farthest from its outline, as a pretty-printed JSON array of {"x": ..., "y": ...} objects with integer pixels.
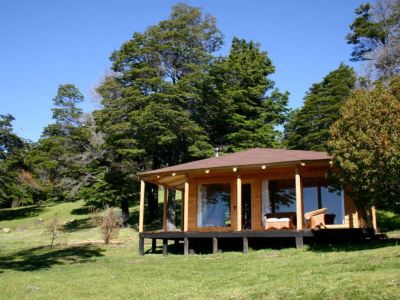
[
  {"x": 78, "y": 224},
  {"x": 80, "y": 211},
  {"x": 46, "y": 257},
  {"x": 20, "y": 213}
]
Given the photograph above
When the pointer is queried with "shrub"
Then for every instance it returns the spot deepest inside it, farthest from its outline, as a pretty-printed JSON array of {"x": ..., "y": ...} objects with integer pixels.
[{"x": 109, "y": 222}]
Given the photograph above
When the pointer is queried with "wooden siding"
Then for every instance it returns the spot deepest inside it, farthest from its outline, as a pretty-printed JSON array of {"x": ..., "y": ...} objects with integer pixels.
[{"x": 353, "y": 217}]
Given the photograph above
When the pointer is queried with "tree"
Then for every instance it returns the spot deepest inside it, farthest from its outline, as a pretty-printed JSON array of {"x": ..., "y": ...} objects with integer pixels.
[
  {"x": 9, "y": 141},
  {"x": 366, "y": 145},
  {"x": 145, "y": 116},
  {"x": 17, "y": 184},
  {"x": 308, "y": 128},
  {"x": 236, "y": 110},
  {"x": 55, "y": 156},
  {"x": 375, "y": 34}
]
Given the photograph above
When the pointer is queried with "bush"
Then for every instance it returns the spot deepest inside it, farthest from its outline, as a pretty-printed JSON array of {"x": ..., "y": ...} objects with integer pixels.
[{"x": 109, "y": 222}]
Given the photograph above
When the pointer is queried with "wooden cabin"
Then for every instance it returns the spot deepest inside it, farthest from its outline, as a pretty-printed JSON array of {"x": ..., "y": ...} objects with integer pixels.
[{"x": 252, "y": 194}]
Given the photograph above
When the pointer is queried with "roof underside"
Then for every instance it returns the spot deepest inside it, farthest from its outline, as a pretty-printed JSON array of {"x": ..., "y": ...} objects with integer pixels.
[{"x": 247, "y": 158}]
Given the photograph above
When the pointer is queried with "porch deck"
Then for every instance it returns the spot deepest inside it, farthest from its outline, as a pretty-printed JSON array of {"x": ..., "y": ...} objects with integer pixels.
[{"x": 297, "y": 235}]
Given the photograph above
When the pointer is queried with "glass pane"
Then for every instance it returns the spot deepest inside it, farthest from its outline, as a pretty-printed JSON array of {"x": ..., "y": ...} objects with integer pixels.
[
  {"x": 282, "y": 196},
  {"x": 333, "y": 201},
  {"x": 310, "y": 198},
  {"x": 214, "y": 205}
]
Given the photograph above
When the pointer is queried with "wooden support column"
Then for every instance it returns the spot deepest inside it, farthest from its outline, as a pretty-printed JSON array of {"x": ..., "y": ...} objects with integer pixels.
[
  {"x": 238, "y": 203},
  {"x": 141, "y": 207},
  {"x": 141, "y": 246},
  {"x": 165, "y": 211},
  {"x": 299, "y": 241},
  {"x": 186, "y": 246},
  {"x": 215, "y": 245},
  {"x": 245, "y": 245},
  {"x": 299, "y": 200},
  {"x": 165, "y": 247},
  {"x": 186, "y": 206},
  {"x": 153, "y": 245},
  {"x": 374, "y": 222}
]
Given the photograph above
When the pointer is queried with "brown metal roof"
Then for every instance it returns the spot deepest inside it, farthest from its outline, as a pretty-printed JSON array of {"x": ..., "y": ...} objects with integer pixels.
[{"x": 251, "y": 157}]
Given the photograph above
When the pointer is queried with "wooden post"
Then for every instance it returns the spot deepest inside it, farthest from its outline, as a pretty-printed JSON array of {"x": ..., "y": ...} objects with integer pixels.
[
  {"x": 245, "y": 245},
  {"x": 319, "y": 197},
  {"x": 141, "y": 207},
  {"x": 299, "y": 241},
  {"x": 215, "y": 245},
  {"x": 238, "y": 203},
  {"x": 141, "y": 246},
  {"x": 165, "y": 211},
  {"x": 186, "y": 206},
  {"x": 299, "y": 200},
  {"x": 374, "y": 222},
  {"x": 186, "y": 246},
  {"x": 153, "y": 245},
  {"x": 165, "y": 247}
]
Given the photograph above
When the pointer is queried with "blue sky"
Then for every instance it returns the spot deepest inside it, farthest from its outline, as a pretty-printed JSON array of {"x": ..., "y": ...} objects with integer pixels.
[{"x": 46, "y": 43}]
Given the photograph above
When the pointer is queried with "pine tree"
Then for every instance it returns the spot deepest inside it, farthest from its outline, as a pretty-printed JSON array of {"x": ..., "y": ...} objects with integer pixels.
[
  {"x": 237, "y": 111},
  {"x": 308, "y": 128}
]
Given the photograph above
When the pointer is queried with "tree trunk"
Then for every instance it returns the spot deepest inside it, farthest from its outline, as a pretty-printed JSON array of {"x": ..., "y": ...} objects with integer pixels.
[
  {"x": 152, "y": 198},
  {"x": 125, "y": 211}
]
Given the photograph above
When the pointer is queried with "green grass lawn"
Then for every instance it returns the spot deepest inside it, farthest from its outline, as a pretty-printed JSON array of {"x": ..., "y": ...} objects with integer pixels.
[{"x": 81, "y": 267}]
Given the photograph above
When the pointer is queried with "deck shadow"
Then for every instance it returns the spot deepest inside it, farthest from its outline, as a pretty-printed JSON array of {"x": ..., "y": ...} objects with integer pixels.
[
  {"x": 45, "y": 257},
  {"x": 346, "y": 246}
]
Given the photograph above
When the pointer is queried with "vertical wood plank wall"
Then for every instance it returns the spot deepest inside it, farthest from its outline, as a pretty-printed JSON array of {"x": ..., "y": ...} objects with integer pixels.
[{"x": 352, "y": 217}]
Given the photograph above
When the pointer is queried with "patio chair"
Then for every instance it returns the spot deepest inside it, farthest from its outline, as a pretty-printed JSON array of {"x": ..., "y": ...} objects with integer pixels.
[{"x": 315, "y": 219}]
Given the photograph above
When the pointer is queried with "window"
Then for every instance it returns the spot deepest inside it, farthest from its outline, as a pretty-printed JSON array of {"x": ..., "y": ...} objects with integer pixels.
[
  {"x": 214, "y": 205},
  {"x": 282, "y": 196}
]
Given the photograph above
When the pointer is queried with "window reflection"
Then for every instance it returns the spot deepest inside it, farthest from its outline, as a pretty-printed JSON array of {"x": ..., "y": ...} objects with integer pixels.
[
  {"x": 213, "y": 207},
  {"x": 317, "y": 193}
]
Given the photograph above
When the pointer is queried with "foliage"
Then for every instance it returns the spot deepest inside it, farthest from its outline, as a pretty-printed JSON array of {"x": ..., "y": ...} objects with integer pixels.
[
  {"x": 366, "y": 145},
  {"x": 52, "y": 229},
  {"x": 235, "y": 109},
  {"x": 57, "y": 157},
  {"x": 109, "y": 222},
  {"x": 308, "y": 128},
  {"x": 375, "y": 34}
]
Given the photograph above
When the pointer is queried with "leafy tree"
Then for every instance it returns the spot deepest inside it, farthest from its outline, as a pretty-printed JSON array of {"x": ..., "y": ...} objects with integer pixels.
[
  {"x": 9, "y": 141},
  {"x": 308, "y": 128},
  {"x": 236, "y": 110},
  {"x": 375, "y": 34},
  {"x": 366, "y": 145},
  {"x": 17, "y": 185}
]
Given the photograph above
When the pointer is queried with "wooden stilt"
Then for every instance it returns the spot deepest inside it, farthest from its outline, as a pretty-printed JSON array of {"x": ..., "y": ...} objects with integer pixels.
[
  {"x": 165, "y": 247},
  {"x": 215, "y": 245},
  {"x": 153, "y": 245},
  {"x": 141, "y": 246},
  {"x": 245, "y": 245},
  {"x": 186, "y": 246},
  {"x": 299, "y": 241}
]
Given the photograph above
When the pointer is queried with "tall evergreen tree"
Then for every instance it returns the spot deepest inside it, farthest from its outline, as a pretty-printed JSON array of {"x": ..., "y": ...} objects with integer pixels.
[
  {"x": 146, "y": 116},
  {"x": 375, "y": 34},
  {"x": 308, "y": 128},
  {"x": 55, "y": 156},
  {"x": 240, "y": 107}
]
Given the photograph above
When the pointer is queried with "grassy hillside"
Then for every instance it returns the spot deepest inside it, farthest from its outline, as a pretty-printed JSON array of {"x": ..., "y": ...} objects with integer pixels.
[{"x": 82, "y": 267}]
